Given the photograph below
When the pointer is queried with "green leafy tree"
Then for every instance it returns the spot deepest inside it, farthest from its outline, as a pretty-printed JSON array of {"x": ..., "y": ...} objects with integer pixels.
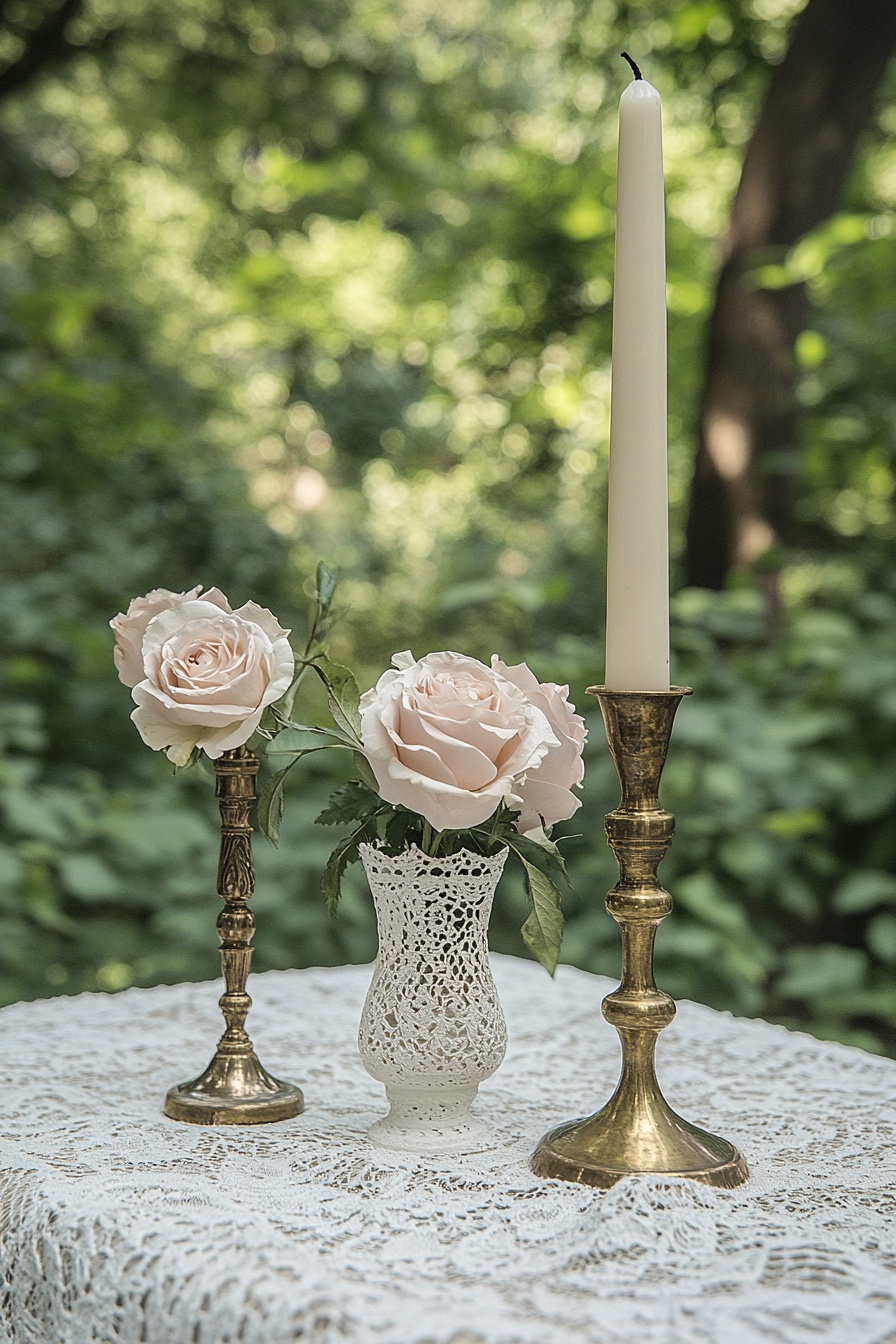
[{"x": 278, "y": 286}]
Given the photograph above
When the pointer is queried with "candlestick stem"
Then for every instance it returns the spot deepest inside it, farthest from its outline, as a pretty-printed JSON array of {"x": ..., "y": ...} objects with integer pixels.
[
  {"x": 235, "y": 1089},
  {"x": 637, "y": 1131}
]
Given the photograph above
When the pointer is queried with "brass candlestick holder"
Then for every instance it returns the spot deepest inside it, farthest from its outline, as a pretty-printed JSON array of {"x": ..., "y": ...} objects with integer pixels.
[
  {"x": 637, "y": 1131},
  {"x": 235, "y": 1089}
]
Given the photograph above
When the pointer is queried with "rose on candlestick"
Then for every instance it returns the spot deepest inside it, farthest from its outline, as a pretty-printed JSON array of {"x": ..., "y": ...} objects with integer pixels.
[
  {"x": 208, "y": 673},
  {"x": 130, "y": 626},
  {"x": 203, "y": 677}
]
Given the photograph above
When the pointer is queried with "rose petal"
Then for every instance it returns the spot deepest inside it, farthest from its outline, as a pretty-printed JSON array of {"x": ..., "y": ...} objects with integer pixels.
[
  {"x": 159, "y": 734},
  {"x": 460, "y": 760},
  {"x": 541, "y": 801},
  {"x": 265, "y": 620},
  {"x": 422, "y": 761},
  {"x": 444, "y": 806},
  {"x": 486, "y": 727},
  {"x": 130, "y": 626},
  {"x": 205, "y": 715},
  {"x": 244, "y": 688},
  {"x": 216, "y": 742},
  {"x": 217, "y": 597},
  {"x": 544, "y": 793},
  {"x": 166, "y": 624}
]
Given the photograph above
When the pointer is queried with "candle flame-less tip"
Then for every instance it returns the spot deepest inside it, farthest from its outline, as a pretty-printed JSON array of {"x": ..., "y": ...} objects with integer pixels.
[{"x": 637, "y": 72}]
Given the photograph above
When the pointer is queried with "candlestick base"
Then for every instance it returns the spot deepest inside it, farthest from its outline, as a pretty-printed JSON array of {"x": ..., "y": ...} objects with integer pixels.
[
  {"x": 234, "y": 1090},
  {"x": 637, "y": 1132}
]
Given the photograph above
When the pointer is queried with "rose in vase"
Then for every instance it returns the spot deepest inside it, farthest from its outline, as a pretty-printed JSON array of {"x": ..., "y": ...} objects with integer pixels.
[
  {"x": 446, "y": 750},
  {"x": 546, "y": 793},
  {"x": 451, "y": 738}
]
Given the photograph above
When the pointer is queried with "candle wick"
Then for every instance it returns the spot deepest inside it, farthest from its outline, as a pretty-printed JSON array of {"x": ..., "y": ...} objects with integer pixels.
[{"x": 626, "y": 57}]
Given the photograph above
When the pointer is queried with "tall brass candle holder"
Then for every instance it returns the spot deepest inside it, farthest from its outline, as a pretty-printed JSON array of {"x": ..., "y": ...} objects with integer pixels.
[
  {"x": 637, "y": 1131},
  {"x": 235, "y": 1089}
]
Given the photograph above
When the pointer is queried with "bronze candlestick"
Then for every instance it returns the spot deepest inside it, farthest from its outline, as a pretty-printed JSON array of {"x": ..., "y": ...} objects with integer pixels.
[
  {"x": 637, "y": 1131},
  {"x": 235, "y": 1089}
]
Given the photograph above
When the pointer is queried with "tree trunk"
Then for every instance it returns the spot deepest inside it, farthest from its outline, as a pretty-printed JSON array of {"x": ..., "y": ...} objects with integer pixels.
[{"x": 820, "y": 99}]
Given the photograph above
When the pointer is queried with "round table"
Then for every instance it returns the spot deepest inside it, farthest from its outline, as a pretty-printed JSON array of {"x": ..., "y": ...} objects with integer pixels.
[{"x": 118, "y": 1225}]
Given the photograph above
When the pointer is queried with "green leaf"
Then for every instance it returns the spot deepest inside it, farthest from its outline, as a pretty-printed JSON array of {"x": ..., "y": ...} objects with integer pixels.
[
  {"x": 403, "y": 827},
  {"x": 362, "y": 765},
  {"x": 343, "y": 696},
  {"x": 271, "y": 804},
  {"x": 811, "y": 972},
  {"x": 873, "y": 794},
  {"x": 703, "y": 896},
  {"x": 543, "y": 930},
  {"x": 326, "y": 583},
  {"x": 346, "y": 852},
  {"x": 11, "y": 867},
  {"x": 543, "y": 855},
  {"x": 542, "y": 864},
  {"x": 864, "y": 890},
  {"x": 283, "y": 707},
  {"x": 795, "y": 823},
  {"x": 302, "y": 727},
  {"x": 89, "y": 878},
  {"x": 881, "y": 937},
  {"x": 331, "y": 882},
  {"x": 350, "y": 802},
  {"x": 271, "y": 801}
]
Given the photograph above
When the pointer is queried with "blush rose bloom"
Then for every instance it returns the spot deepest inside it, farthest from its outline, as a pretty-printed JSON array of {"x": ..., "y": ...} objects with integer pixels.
[
  {"x": 130, "y": 626},
  {"x": 545, "y": 793},
  {"x": 209, "y": 674},
  {"x": 449, "y": 738}
]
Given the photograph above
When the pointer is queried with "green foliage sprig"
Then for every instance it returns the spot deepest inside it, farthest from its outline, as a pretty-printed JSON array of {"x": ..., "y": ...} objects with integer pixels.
[
  {"x": 396, "y": 828},
  {"x": 305, "y": 739}
]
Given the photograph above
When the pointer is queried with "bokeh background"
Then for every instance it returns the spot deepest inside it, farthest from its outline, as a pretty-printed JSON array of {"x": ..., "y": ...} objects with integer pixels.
[{"x": 282, "y": 282}]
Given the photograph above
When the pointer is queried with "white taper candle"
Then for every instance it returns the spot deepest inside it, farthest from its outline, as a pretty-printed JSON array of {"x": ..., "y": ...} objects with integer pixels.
[{"x": 638, "y": 522}]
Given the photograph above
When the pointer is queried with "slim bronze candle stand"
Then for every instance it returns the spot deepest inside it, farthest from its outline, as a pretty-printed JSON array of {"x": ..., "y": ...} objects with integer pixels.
[
  {"x": 235, "y": 1089},
  {"x": 637, "y": 1131}
]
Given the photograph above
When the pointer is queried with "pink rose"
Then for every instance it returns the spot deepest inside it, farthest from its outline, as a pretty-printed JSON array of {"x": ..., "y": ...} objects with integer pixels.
[
  {"x": 130, "y": 626},
  {"x": 209, "y": 674},
  {"x": 545, "y": 793},
  {"x": 449, "y": 738}
]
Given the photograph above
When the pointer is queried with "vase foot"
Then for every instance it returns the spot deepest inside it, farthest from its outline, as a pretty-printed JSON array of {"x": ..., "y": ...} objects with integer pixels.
[{"x": 431, "y": 1121}]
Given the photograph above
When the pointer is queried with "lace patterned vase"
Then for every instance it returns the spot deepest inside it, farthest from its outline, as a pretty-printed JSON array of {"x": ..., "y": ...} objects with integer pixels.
[{"x": 432, "y": 1028}]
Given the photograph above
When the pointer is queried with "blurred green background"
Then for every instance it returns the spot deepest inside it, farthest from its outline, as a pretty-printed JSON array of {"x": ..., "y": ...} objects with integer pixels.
[{"x": 281, "y": 283}]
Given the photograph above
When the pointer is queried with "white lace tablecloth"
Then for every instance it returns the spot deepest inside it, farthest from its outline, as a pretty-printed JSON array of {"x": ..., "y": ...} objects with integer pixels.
[{"x": 119, "y": 1225}]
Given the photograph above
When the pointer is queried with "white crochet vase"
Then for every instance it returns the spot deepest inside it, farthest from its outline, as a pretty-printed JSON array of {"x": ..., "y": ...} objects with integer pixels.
[{"x": 432, "y": 1028}]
